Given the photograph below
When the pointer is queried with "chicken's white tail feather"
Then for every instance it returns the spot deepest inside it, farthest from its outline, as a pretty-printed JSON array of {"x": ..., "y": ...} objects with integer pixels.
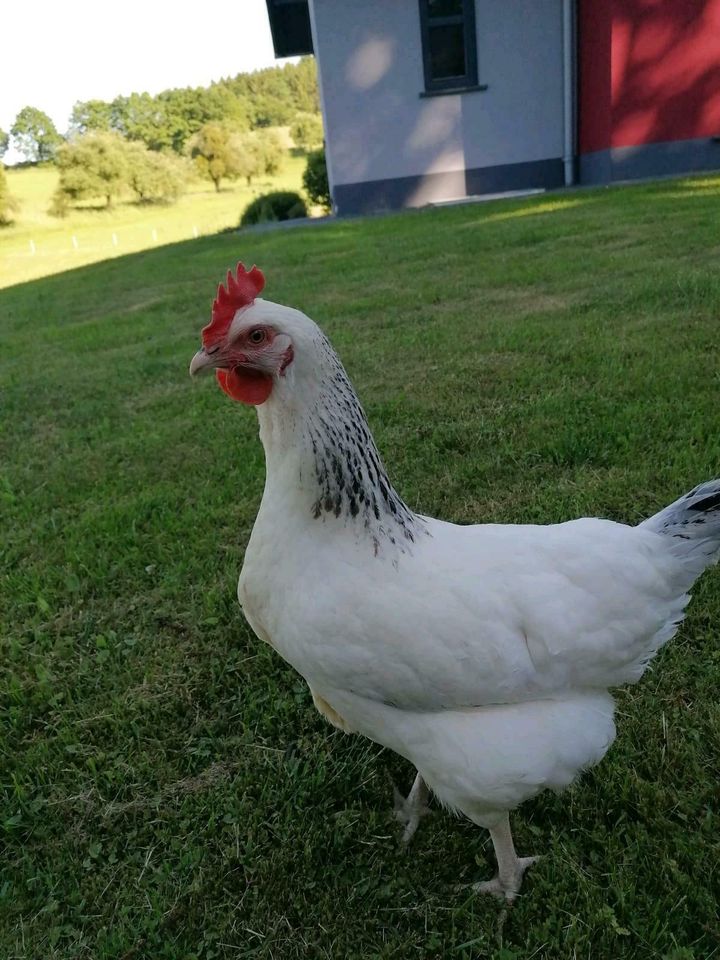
[{"x": 693, "y": 523}]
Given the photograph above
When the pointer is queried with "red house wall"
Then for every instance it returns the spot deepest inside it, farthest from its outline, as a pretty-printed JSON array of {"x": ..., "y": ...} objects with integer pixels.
[{"x": 648, "y": 71}]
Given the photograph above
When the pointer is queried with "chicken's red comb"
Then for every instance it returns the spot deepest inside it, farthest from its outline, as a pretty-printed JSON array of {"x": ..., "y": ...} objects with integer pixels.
[{"x": 240, "y": 292}]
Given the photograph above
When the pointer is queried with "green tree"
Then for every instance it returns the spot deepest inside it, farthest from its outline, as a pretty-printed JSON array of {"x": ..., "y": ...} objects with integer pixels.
[
  {"x": 270, "y": 111},
  {"x": 303, "y": 86},
  {"x": 90, "y": 115},
  {"x": 8, "y": 204},
  {"x": 258, "y": 152},
  {"x": 155, "y": 177},
  {"x": 188, "y": 109},
  {"x": 272, "y": 153},
  {"x": 140, "y": 117},
  {"x": 4, "y": 143},
  {"x": 169, "y": 120},
  {"x": 276, "y": 94},
  {"x": 307, "y": 131},
  {"x": 219, "y": 153},
  {"x": 93, "y": 166},
  {"x": 35, "y": 135}
]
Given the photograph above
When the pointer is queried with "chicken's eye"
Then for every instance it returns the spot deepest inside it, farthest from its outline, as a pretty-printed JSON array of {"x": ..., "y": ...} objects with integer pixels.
[{"x": 256, "y": 336}]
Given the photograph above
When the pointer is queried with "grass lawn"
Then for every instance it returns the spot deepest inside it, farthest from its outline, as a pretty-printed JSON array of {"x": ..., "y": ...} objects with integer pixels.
[
  {"x": 169, "y": 790},
  {"x": 37, "y": 244}
]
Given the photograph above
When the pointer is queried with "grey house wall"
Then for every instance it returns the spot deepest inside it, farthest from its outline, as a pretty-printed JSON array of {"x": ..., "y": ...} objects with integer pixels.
[{"x": 389, "y": 147}]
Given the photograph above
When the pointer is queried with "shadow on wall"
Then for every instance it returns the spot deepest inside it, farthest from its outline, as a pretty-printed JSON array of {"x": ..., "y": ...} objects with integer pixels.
[
  {"x": 411, "y": 150},
  {"x": 383, "y": 72},
  {"x": 665, "y": 78}
]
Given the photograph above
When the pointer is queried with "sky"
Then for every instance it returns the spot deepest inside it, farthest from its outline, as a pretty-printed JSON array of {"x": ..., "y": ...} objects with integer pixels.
[{"x": 56, "y": 53}]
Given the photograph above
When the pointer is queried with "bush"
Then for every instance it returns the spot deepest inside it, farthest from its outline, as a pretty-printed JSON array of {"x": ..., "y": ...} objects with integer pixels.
[
  {"x": 281, "y": 205},
  {"x": 315, "y": 179}
]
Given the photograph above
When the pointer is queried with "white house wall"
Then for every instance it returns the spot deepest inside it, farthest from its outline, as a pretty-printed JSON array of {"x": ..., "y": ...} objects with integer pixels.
[{"x": 388, "y": 146}]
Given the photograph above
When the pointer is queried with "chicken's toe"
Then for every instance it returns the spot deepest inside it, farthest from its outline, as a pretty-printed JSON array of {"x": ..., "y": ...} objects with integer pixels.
[{"x": 508, "y": 886}]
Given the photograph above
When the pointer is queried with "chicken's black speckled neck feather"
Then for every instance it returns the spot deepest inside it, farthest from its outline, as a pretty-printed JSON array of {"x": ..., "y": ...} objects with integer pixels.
[{"x": 351, "y": 479}]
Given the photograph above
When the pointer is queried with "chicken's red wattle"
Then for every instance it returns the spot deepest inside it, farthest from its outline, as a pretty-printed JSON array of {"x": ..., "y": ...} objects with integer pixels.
[{"x": 245, "y": 385}]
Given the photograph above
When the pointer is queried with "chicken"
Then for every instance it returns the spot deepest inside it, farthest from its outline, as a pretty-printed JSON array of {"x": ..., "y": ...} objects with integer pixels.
[{"x": 483, "y": 654}]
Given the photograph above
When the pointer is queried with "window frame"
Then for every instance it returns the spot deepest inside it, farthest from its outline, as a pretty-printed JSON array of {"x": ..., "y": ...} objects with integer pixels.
[{"x": 467, "y": 81}]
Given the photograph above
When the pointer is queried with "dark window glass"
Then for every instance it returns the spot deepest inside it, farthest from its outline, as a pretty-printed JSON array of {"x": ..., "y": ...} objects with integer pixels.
[
  {"x": 448, "y": 44},
  {"x": 447, "y": 51},
  {"x": 444, "y": 8}
]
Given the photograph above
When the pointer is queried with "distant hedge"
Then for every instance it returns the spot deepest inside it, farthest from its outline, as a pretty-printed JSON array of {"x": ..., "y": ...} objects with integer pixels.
[{"x": 280, "y": 205}]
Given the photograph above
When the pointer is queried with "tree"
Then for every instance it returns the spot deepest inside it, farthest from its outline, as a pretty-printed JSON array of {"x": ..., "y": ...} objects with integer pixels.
[
  {"x": 260, "y": 152},
  {"x": 4, "y": 143},
  {"x": 35, "y": 135},
  {"x": 87, "y": 115},
  {"x": 276, "y": 94},
  {"x": 8, "y": 204},
  {"x": 140, "y": 117},
  {"x": 187, "y": 110},
  {"x": 307, "y": 131},
  {"x": 302, "y": 85},
  {"x": 269, "y": 111},
  {"x": 271, "y": 152},
  {"x": 219, "y": 153},
  {"x": 169, "y": 120},
  {"x": 94, "y": 166},
  {"x": 155, "y": 177}
]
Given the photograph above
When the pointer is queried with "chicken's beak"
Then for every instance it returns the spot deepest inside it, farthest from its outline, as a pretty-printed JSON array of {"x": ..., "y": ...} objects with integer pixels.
[{"x": 202, "y": 361}]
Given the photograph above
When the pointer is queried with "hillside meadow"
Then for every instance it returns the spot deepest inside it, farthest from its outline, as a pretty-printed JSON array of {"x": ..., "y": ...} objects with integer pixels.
[
  {"x": 37, "y": 244},
  {"x": 168, "y": 790}
]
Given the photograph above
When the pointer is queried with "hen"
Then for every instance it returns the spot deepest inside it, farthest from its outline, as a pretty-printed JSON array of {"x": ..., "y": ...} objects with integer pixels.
[{"x": 483, "y": 654}]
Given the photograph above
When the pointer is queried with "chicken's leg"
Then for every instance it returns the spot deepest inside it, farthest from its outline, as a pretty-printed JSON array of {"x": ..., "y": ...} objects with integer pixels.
[
  {"x": 410, "y": 810},
  {"x": 506, "y": 883}
]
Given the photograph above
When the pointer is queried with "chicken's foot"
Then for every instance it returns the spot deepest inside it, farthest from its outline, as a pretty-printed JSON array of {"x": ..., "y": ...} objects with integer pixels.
[
  {"x": 506, "y": 883},
  {"x": 411, "y": 809}
]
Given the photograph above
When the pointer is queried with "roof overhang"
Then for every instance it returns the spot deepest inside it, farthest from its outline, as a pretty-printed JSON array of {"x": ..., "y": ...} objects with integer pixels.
[{"x": 290, "y": 27}]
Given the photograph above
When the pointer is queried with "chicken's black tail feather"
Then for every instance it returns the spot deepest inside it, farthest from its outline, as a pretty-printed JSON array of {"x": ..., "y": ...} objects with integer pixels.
[{"x": 693, "y": 522}]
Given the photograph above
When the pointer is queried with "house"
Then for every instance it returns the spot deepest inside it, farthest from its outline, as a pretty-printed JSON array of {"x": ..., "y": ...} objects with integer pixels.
[{"x": 434, "y": 100}]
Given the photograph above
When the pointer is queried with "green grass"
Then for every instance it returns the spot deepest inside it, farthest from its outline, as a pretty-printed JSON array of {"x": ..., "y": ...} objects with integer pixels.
[
  {"x": 37, "y": 244},
  {"x": 169, "y": 790}
]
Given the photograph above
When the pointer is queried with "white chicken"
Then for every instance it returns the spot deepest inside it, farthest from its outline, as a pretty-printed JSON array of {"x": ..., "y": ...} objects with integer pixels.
[{"x": 483, "y": 654}]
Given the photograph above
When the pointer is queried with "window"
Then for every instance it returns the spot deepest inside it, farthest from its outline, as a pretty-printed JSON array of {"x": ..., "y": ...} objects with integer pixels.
[{"x": 449, "y": 45}]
